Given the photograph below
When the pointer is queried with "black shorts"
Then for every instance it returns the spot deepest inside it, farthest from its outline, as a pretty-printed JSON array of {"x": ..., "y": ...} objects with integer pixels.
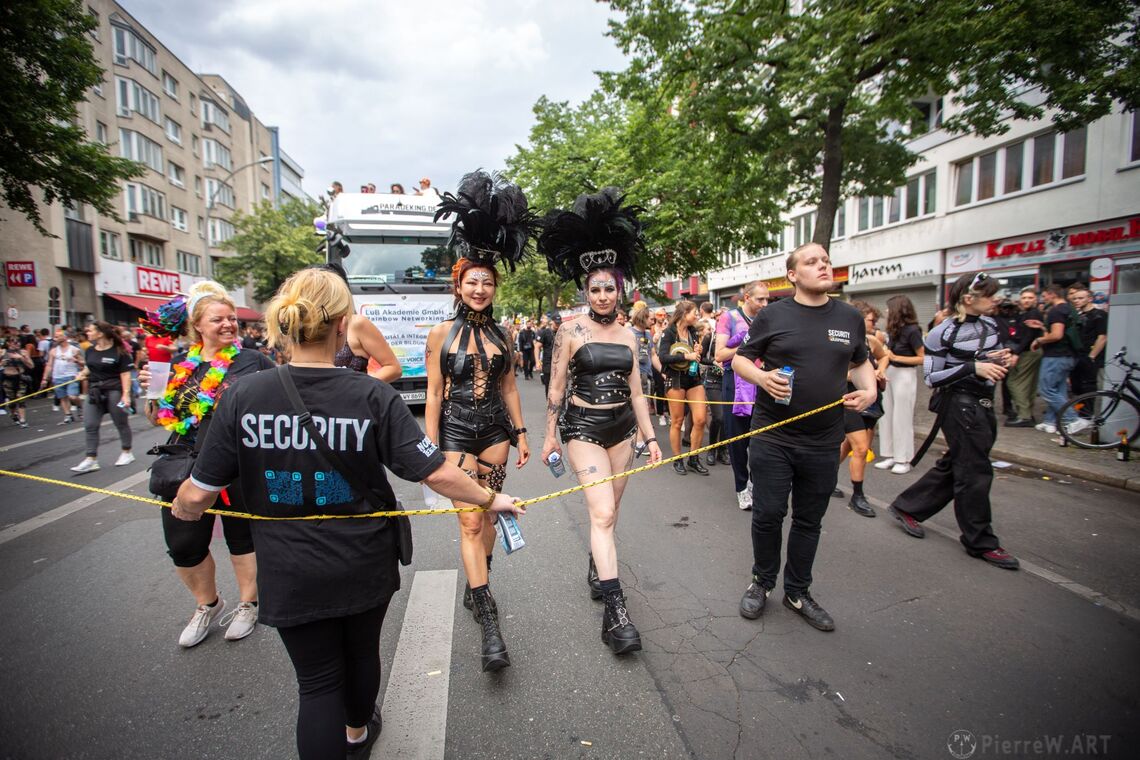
[
  {"x": 603, "y": 427},
  {"x": 682, "y": 380},
  {"x": 853, "y": 421},
  {"x": 466, "y": 430}
]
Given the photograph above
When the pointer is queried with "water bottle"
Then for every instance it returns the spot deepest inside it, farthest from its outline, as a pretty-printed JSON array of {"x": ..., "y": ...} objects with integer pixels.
[
  {"x": 556, "y": 465},
  {"x": 693, "y": 366},
  {"x": 507, "y": 528},
  {"x": 788, "y": 374}
]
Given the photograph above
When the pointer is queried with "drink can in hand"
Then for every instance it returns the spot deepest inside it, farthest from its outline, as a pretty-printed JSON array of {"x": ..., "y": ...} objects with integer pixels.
[
  {"x": 788, "y": 374},
  {"x": 556, "y": 465}
]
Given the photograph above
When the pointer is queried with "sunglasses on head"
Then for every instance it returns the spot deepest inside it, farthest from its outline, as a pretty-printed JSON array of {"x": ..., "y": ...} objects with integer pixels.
[{"x": 979, "y": 279}]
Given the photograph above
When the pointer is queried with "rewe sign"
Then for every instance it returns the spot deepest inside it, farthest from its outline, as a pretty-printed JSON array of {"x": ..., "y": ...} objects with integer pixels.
[{"x": 157, "y": 282}]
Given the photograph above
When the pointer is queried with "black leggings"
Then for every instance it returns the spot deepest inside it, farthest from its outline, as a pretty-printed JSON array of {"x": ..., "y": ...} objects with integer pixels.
[
  {"x": 338, "y": 678},
  {"x": 188, "y": 542}
]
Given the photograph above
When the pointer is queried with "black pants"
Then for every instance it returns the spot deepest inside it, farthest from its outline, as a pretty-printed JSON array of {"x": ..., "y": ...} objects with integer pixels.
[
  {"x": 338, "y": 677},
  {"x": 188, "y": 542},
  {"x": 809, "y": 476},
  {"x": 1083, "y": 376},
  {"x": 659, "y": 406},
  {"x": 545, "y": 377},
  {"x": 964, "y": 474},
  {"x": 732, "y": 425},
  {"x": 715, "y": 415},
  {"x": 528, "y": 362}
]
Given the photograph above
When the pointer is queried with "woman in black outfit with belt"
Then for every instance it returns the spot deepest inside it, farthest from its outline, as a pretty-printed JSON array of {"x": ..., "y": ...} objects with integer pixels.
[
  {"x": 473, "y": 410},
  {"x": 596, "y": 357},
  {"x": 680, "y": 366},
  {"x": 325, "y": 584}
]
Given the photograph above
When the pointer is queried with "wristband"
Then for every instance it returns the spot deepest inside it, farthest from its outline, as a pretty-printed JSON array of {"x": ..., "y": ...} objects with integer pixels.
[
  {"x": 520, "y": 431},
  {"x": 650, "y": 440},
  {"x": 490, "y": 498}
]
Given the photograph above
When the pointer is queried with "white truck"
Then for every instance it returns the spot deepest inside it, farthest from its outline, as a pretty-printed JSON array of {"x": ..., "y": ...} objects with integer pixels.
[{"x": 399, "y": 270}]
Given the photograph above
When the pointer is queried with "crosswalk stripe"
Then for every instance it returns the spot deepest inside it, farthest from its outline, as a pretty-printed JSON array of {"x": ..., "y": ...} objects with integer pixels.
[
  {"x": 415, "y": 702},
  {"x": 13, "y": 532}
]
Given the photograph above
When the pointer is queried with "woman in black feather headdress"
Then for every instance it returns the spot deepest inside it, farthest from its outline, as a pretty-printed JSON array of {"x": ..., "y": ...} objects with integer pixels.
[
  {"x": 597, "y": 244},
  {"x": 473, "y": 411}
]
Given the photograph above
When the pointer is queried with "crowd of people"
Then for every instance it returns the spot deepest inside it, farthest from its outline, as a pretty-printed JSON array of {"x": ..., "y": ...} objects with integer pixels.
[{"x": 424, "y": 187}]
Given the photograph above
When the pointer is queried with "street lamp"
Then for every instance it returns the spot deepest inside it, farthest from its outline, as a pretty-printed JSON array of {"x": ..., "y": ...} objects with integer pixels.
[{"x": 214, "y": 195}]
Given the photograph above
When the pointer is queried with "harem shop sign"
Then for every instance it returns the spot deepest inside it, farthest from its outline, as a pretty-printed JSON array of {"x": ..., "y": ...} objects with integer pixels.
[{"x": 901, "y": 268}]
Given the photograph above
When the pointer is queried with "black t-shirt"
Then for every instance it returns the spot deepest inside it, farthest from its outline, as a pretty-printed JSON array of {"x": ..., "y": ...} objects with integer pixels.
[
  {"x": 545, "y": 338},
  {"x": 1093, "y": 323},
  {"x": 1023, "y": 334},
  {"x": 104, "y": 367},
  {"x": 313, "y": 570},
  {"x": 526, "y": 339},
  {"x": 1058, "y": 314},
  {"x": 907, "y": 343},
  {"x": 820, "y": 343}
]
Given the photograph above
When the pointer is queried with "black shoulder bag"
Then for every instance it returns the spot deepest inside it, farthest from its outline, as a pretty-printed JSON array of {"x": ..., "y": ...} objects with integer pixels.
[
  {"x": 402, "y": 524},
  {"x": 174, "y": 464}
]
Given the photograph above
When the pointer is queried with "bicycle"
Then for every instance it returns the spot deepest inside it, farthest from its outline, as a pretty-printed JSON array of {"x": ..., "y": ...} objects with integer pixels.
[{"x": 1105, "y": 419}]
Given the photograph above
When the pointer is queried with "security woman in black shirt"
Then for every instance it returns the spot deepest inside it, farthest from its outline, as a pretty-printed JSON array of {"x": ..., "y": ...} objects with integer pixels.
[
  {"x": 324, "y": 584},
  {"x": 965, "y": 359}
]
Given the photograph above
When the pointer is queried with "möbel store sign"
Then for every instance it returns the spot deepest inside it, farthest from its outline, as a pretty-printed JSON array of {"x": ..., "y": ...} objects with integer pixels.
[
  {"x": 157, "y": 282},
  {"x": 1087, "y": 241}
]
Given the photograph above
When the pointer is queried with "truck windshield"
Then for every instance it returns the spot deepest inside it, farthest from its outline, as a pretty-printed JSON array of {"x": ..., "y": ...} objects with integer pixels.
[{"x": 398, "y": 259}]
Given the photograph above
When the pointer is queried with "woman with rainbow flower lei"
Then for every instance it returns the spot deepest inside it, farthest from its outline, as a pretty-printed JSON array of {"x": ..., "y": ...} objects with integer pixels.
[{"x": 198, "y": 379}]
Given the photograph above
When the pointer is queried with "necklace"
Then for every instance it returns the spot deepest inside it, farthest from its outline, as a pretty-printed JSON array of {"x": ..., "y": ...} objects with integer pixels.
[
  {"x": 207, "y": 393},
  {"x": 603, "y": 319}
]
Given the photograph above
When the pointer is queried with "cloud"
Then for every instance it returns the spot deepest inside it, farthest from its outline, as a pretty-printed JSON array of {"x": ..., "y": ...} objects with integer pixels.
[{"x": 392, "y": 91}]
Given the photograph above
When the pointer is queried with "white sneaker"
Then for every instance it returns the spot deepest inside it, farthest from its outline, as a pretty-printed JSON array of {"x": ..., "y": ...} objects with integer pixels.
[
  {"x": 1077, "y": 426},
  {"x": 55, "y": 407},
  {"x": 125, "y": 458},
  {"x": 661, "y": 422},
  {"x": 885, "y": 464},
  {"x": 902, "y": 468},
  {"x": 744, "y": 499},
  {"x": 1046, "y": 427},
  {"x": 199, "y": 625},
  {"x": 241, "y": 621},
  {"x": 87, "y": 465},
  {"x": 3, "y": 411}
]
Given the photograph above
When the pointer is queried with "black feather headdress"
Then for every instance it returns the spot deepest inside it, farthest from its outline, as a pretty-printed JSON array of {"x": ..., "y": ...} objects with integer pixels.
[
  {"x": 492, "y": 221},
  {"x": 598, "y": 233}
]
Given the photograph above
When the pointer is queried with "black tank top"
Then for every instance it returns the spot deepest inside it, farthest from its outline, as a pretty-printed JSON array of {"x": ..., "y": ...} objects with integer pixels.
[{"x": 601, "y": 372}]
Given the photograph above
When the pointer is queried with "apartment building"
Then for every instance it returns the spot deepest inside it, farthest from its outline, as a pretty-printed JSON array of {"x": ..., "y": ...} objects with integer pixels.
[
  {"x": 1031, "y": 207},
  {"x": 207, "y": 156}
]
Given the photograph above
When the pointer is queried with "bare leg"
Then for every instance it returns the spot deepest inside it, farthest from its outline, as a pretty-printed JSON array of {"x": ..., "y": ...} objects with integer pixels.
[
  {"x": 676, "y": 418},
  {"x": 591, "y": 462},
  {"x": 245, "y": 569},
  {"x": 201, "y": 580},
  {"x": 700, "y": 416},
  {"x": 860, "y": 442}
]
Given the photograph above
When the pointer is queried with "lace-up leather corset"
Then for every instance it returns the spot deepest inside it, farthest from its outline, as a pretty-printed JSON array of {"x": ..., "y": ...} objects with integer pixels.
[
  {"x": 475, "y": 388},
  {"x": 601, "y": 372}
]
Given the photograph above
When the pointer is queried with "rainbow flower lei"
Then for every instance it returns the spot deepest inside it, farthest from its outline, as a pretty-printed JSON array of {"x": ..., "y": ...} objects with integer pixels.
[{"x": 201, "y": 406}]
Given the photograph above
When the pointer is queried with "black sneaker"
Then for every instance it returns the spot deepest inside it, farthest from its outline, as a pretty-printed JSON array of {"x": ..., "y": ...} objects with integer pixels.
[
  {"x": 710, "y": 458},
  {"x": 696, "y": 466},
  {"x": 809, "y": 610},
  {"x": 1019, "y": 423},
  {"x": 755, "y": 596},
  {"x": 679, "y": 468},
  {"x": 837, "y": 493},
  {"x": 860, "y": 506},
  {"x": 364, "y": 749},
  {"x": 722, "y": 457}
]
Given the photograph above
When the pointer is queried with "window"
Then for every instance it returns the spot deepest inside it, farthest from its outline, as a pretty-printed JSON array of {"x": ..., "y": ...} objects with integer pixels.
[
  {"x": 110, "y": 247},
  {"x": 134, "y": 97},
  {"x": 94, "y": 17},
  {"x": 1014, "y": 167},
  {"x": 140, "y": 148},
  {"x": 929, "y": 115},
  {"x": 1044, "y": 148},
  {"x": 173, "y": 131},
  {"x": 219, "y": 194},
  {"x": 987, "y": 175},
  {"x": 197, "y": 186},
  {"x": 201, "y": 227},
  {"x": 212, "y": 114},
  {"x": 1043, "y": 160},
  {"x": 894, "y": 210},
  {"x": 194, "y": 144},
  {"x": 1134, "y": 147},
  {"x": 169, "y": 85},
  {"x": 1073, "y": 154},
  {"x": 877, "y": 212},
  {"x": 130, "y": 47},
  {"x": 100, "y": 133},
  {"x": 264, "y": 191},
  {"x": 145, "y": 200},
  {"x": 803, "y": 227},
  {"x": 216, "y": 154},
  {"x": 910, "y": 201},
  {"x": 864, "y": 213},
  {"x": 840, "y": 220},
  {"x": 98, "y": 88},
  {"x": 929, "y": 192},
  {"x": 965, "y": 192},
  {"x": 189, "y": 263},
  {"x": 176, "y": 174},
  {"x": 73, "y": 211},
  {"x": 179, "y": 219},
  {"x": 146, "y": 253},
  {"x": 220, "y": 231}
]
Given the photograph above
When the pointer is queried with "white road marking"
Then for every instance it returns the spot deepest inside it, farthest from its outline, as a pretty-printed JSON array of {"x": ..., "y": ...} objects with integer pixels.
[
  {"x": 77, "y": 429},
  {"x": 27, "y": 526},
  {"x": 415, "y": 702},
  {"x": 1044, "y": 574}
]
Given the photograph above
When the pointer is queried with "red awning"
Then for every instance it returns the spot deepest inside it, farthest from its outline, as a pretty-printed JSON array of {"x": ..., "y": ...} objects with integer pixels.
[
  {"x": 142, "y": 303},
  {"x": 248, "y": 315}
]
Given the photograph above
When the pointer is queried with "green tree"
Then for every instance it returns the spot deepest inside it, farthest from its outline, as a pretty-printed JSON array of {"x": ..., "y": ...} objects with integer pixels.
[
  {"x": 533, "y": 290},
  {"x": 271, "y": 244},
  {"x": 47, "y": 66},
  {"x": 822, "y": 98}
]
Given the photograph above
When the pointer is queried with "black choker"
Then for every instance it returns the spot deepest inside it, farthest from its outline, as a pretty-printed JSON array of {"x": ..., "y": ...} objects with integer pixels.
[
  {"x": 603, "y": 319},
  {"x": 465, "y": 312}
]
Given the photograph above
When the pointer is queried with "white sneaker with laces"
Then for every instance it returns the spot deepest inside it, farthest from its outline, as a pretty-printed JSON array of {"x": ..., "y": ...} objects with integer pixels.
[
  {"x": 241, "y": 621},
  {"x": 744, "y": 499},
  {"x": 902, "y": 468},
  {"x": 124, "y": 459},
  {"x": 661, "y": 420},
  {"x": 199, "y": 626},
  {"x": 1046, "y": 427},
  {"x": 87, "y": 465},
  {"x": 885, "y": 464},
  {"x": 1077, "y": 426}
]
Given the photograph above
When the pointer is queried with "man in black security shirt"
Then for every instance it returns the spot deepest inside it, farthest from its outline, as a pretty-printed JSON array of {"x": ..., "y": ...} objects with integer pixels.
[{"x": 821, "y": 339}]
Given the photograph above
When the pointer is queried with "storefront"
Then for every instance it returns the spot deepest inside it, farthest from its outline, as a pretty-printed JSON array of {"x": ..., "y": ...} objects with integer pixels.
[
  {"x": 129, "y": 290},
  {"x": 780, "y": 287},
  {"x": 916, "y": 276},
  {"x": 1104, "y": 255}
]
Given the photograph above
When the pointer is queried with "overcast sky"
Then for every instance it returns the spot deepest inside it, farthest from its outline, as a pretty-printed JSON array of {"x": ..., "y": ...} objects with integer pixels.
[{"x": 392, "y": 90}]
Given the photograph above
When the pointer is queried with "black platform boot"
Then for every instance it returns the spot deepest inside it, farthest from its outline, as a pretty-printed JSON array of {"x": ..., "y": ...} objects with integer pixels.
[
  {"x": 592, "y": 579},
  {"x": 494, "y": 652},
  {"x": 696, "y": 466},
  {"x": 468, "y": 602},
  {"x": 618, "y": 632}
]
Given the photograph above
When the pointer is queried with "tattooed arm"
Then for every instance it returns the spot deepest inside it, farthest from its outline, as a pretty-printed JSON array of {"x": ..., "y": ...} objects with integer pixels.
[{"x": 556, "y": 393}]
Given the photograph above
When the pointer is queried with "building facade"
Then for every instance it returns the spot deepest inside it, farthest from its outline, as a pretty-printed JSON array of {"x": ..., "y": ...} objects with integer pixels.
[
  {"x": 201, "y": 146},
  {"x": 1032, "y": 207}
]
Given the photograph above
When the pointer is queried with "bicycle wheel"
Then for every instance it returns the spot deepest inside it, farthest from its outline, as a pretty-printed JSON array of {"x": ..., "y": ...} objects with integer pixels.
[{"x": 1103, "y": 418}]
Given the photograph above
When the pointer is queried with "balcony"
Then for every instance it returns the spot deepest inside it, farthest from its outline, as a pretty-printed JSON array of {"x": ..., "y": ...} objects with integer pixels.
[{"x": 147, "y": 226}]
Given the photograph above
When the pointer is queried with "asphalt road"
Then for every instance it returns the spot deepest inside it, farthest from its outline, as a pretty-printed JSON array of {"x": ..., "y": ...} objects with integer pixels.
[{"x": 932, "y": 647}]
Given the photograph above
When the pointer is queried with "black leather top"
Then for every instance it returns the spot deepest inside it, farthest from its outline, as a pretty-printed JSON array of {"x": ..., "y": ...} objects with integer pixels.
[
  {"x": 601, "y": 372},
  {"x": 462, "y": 388}
]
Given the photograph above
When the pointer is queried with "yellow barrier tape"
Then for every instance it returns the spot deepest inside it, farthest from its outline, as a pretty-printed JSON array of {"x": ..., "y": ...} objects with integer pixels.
[
  {"x": 41, "y": 390},
  {"x": 451, "y": 510}
]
